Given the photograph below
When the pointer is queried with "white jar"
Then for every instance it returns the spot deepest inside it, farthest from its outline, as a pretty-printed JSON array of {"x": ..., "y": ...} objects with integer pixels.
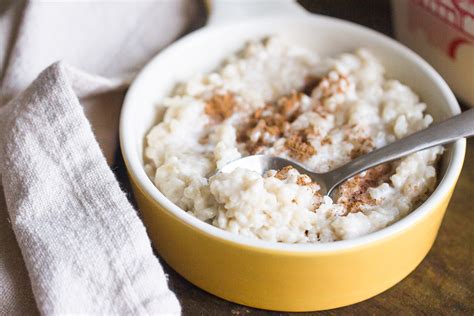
[{"x": 442, "y": 32}]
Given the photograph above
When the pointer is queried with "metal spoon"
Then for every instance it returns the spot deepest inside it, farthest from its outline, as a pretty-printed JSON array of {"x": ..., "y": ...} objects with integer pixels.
[{"x": 447, "y": 131}]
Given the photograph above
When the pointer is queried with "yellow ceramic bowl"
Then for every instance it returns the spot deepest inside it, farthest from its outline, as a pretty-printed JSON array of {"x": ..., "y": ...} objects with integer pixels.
[{"x": 276, "y": 276}]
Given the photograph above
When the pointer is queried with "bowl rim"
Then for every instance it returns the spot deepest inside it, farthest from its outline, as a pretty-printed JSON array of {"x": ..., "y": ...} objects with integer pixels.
[{"x": 446, "y": 184}]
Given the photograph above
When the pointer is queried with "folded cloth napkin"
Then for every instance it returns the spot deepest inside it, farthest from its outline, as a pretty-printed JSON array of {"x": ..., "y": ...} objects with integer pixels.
[
  {"x": 84, "y": 246},
  {"x": 62, "y": 213}
]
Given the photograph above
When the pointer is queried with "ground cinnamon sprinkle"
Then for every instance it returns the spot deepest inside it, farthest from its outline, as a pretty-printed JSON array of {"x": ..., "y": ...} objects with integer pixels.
[
  {"x": 302, "y": 180},
  {"x": 288, "y": 105},
  {"x": 282, "y": 174},
  {"x": 320, "y": 109},
  {"x": 326, "y": 141},
  {"x": 220, "y": 106},
  {"x": 354, "y": 192},
  {"x": 269, "y": 123},
  {"x": 204, "y": 140},
  {"x": 299, "y": 147},
  {"x": 364, "y": 146},
  {"x": 329, "y": 86}
]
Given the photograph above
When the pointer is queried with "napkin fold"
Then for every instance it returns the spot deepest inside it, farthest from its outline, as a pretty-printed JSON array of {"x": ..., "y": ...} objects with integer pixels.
[
  {"x": 85, "y": 249},
  {"x": 69, "y": 240}
]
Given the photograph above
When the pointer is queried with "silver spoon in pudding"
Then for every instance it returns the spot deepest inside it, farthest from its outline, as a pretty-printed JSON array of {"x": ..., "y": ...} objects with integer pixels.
[{"x": 447, "y": 131}]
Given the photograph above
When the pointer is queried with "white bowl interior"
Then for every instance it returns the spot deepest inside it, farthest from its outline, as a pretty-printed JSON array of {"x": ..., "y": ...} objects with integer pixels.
[{"x": 202, "y": 51}]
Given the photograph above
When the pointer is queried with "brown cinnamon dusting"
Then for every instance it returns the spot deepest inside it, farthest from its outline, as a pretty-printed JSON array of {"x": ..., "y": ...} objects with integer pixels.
[
  {"x": 268, "y": 124},
  {"x": 320, "y": 109},
  {"x": 302, "y": 180},
  {"x": 328, "y": 87},
  {"x": 272, "y": 122},
  {"x": 220, "y": 107},
  {"x": 362, "y": 145},
  {"x": 204, "y": 140},
  {"x": 326, "y": 141},
  {"x": 282, "y": 174},
  {"x": 299, "y": 146},
  {"x": 288, "y": 105},
  {"x": 354, "y": 192},
  {"x": 365, "y": 145}
]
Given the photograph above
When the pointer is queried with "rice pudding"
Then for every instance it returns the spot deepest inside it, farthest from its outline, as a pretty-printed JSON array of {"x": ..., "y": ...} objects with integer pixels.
[{"x": 279, "y": 99}]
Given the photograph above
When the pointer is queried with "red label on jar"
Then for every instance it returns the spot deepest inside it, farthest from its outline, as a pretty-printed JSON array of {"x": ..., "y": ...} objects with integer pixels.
[{"x": 448, "y": 24}]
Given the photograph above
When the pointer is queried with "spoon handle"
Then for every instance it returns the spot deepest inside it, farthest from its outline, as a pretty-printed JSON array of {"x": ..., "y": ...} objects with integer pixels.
[{"x": 461, "y": 125}]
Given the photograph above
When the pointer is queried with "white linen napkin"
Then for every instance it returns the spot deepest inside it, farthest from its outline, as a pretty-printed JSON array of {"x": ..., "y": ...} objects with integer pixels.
[{"x": 84, "y": 247}]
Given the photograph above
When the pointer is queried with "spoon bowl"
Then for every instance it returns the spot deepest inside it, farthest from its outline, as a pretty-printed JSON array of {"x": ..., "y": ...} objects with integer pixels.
[
  {"x": 461, "y": 125},
  {"x": 263, "y": 163}
]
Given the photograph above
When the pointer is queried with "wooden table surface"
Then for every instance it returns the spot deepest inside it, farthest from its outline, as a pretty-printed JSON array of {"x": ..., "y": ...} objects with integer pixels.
[{"x": 442, "y": 284}]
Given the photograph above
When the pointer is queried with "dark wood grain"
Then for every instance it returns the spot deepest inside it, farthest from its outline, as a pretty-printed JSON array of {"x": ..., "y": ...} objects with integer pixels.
[{"x": 441, "y": 285}]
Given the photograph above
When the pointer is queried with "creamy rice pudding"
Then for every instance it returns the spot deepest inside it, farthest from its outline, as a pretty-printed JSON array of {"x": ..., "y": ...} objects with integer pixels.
[{"x": 278, "y": 99}]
